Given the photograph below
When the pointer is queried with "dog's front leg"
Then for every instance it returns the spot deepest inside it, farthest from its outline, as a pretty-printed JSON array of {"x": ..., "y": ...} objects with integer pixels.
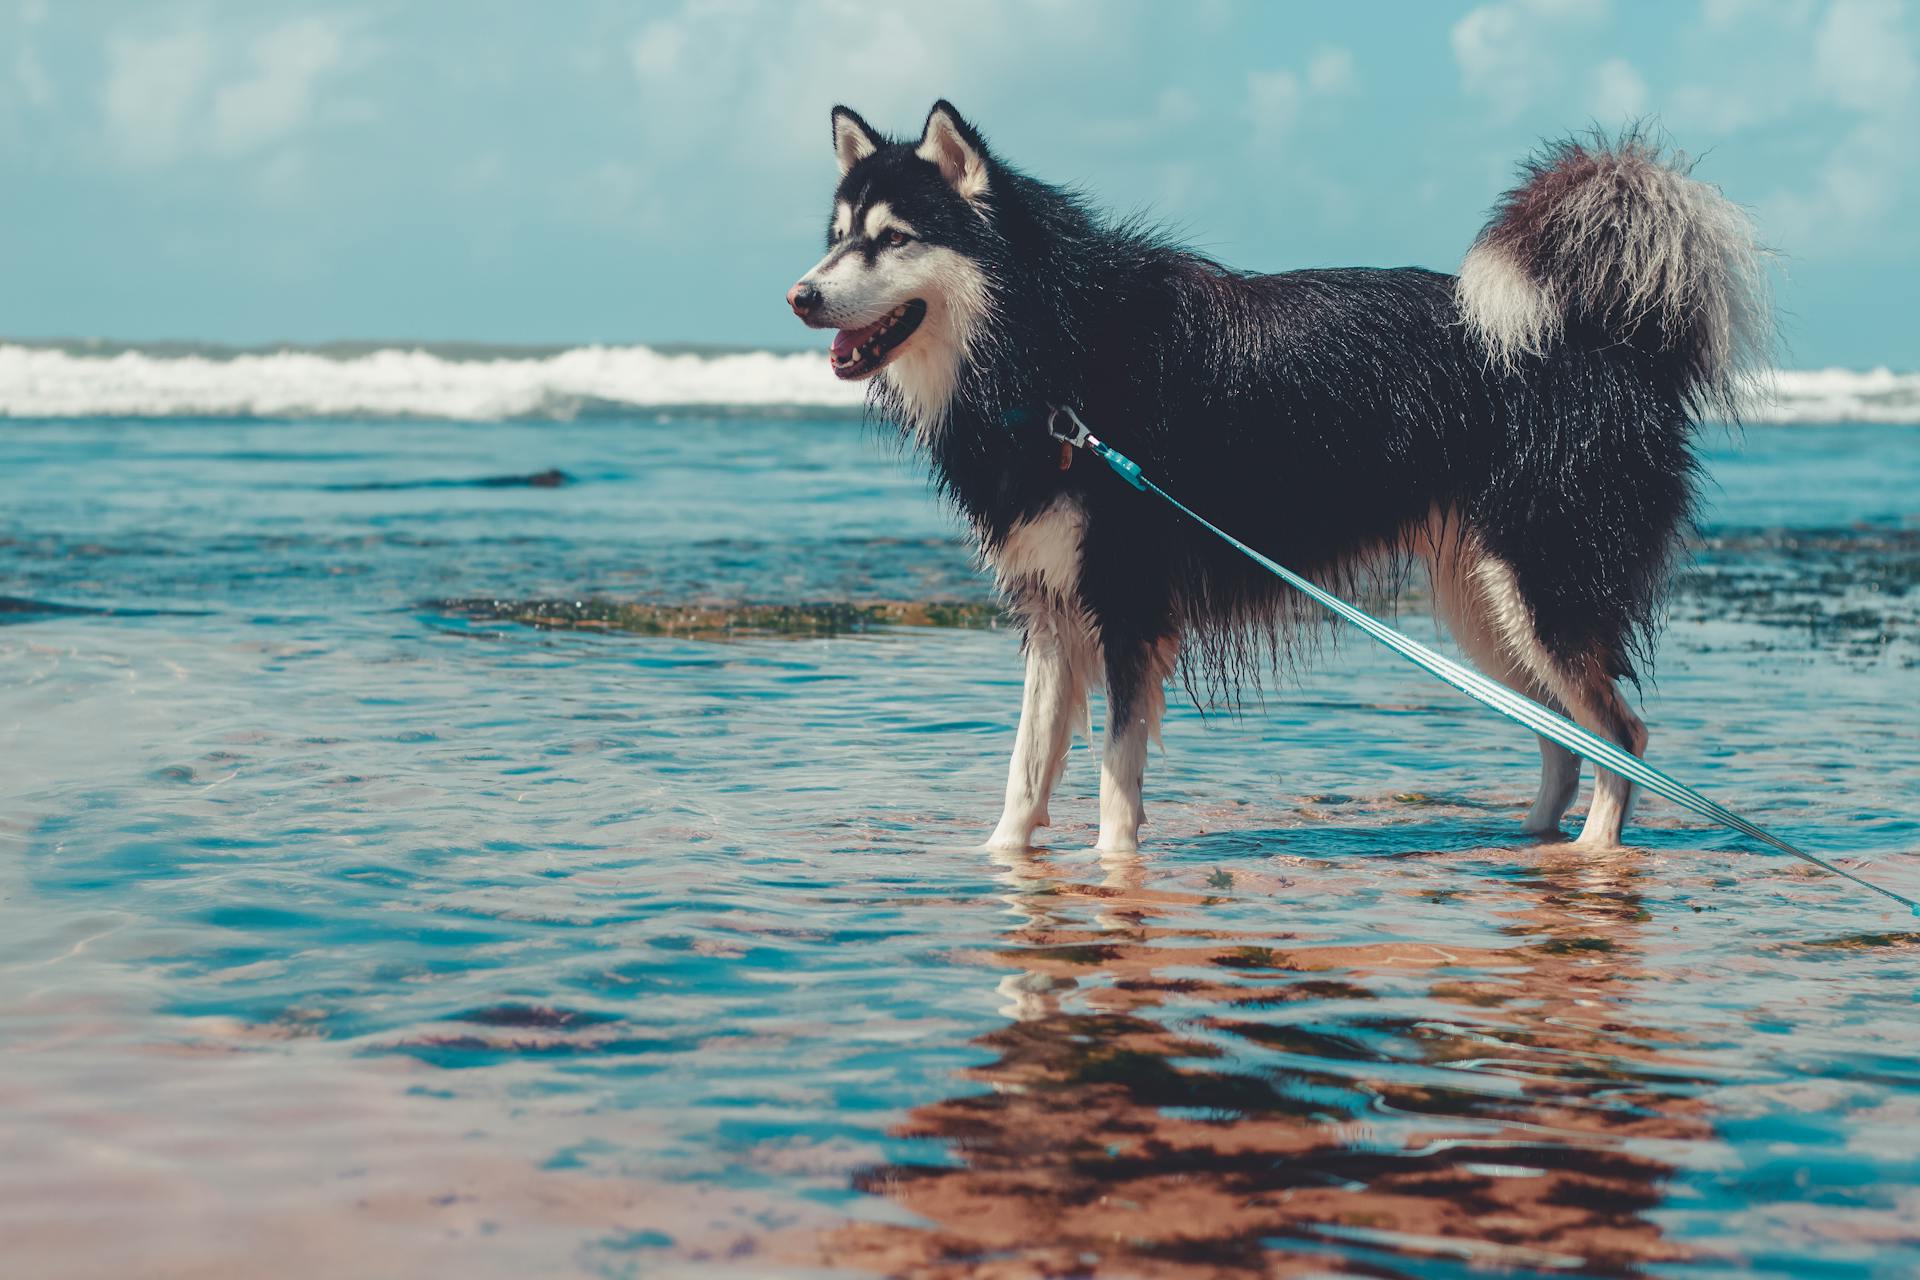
[
  {"x": 1059, "y": 653},
  {"x": 1136, "y": 700}
]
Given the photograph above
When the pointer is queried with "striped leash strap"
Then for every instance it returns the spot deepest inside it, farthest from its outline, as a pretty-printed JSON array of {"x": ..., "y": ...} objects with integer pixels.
[{"x": 1515, "y": 706}]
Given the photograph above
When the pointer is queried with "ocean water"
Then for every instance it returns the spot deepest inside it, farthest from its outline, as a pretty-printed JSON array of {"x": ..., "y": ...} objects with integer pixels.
[{"x": 354, "y": 923}]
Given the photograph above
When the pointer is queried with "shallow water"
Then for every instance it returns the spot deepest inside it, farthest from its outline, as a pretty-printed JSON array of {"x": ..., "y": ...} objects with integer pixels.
[{"x": 342, "y": 932}]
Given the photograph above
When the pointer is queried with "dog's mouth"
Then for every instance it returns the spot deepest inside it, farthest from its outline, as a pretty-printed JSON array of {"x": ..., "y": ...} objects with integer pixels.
[{"x": 856, "y": 353}]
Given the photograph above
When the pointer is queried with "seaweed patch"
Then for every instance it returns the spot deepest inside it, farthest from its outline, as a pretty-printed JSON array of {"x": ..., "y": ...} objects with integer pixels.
[{"x": 726, "y": 621}]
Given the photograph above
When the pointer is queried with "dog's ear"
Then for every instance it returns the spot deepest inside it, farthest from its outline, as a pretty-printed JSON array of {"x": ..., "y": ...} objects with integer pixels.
[
  {"x": 952, "y": 146},
  {"x": 853, "y": 140}
]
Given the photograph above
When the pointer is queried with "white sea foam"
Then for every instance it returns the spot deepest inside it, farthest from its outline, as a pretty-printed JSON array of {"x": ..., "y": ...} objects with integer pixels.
[
  {"x": 1841, "y": 395},
  {"x": 49, "y": 382},
  {"x": 61, "y": 382}
]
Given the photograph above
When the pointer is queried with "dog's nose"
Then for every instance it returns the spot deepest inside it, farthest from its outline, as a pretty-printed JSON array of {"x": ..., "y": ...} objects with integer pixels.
[{"x": 804, "y": 299}]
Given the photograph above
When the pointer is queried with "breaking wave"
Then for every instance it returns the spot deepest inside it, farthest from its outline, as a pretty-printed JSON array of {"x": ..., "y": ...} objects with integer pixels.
[
  {"x": 1841, "y": 395},
  {"x": 393, "y": 382},
  {"x": 478, "y": 383}
]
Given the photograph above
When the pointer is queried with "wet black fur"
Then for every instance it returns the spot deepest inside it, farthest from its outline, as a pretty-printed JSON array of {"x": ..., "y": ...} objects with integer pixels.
[{"x": 1317, "y": 415}]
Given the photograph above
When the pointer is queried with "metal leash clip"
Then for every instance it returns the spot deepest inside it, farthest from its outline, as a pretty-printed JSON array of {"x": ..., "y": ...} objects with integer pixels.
[
  {"x": 1080, "y": 434},
  {"x": 1123, "y": 466}
]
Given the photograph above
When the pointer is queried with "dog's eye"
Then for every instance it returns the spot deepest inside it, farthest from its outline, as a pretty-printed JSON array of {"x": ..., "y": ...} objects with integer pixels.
[{"x": 894, "y": 239}]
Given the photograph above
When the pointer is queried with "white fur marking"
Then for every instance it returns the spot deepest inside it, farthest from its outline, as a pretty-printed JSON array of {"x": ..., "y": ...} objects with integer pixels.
[
  {"x": 1510, "y": 312},
  {"x": 964, "y": 168},
  {"x": 842, "y": 218},
  {"x": 1123, "y": 768},
  {"x": 1044, "y": 551},
  {"x": 959, "y": 302},
  {"x": 1061, "y": 658},
  {"x": 959, "y": 308},
  {"x": 877, "y": 215},
  {"x": 1123, "y": 763},
  {"x": 851, "y": 143},
  {"x": 1463, "y": 601},
  {"x": 1506, "y": 610}
]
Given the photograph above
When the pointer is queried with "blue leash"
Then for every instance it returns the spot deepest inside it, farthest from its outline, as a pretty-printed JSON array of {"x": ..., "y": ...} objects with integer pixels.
[{"x": 1514, "y": 706}]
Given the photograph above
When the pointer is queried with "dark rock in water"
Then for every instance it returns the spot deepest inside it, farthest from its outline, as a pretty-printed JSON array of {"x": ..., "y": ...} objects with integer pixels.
[
  {"x": 551, "y": 478},
  {"x": 521, "y": 1015},
  {"x": 1863, "y": 942},
  {"x": 19, "y": 609},
  {"x": 720, "y": 622},
  {"x": 38, "y": 608}
]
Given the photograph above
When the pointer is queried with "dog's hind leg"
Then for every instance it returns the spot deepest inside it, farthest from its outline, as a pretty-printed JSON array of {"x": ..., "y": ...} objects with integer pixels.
[
  {"x": 1585, "y": 688},
  {"x": 1060, "y": 658},
  {"x": 1597, "y": 703},
  {"x": 1479, "y": 620},
  {"x": 1559, "y": 783},
  {"x": 1136, "y": 700}
]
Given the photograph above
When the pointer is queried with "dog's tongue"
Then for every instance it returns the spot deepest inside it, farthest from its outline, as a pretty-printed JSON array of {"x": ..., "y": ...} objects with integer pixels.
[{"x": 845, "y": 340}]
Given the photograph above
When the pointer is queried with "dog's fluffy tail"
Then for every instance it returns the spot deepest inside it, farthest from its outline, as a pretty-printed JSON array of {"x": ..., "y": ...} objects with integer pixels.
[{"x": 1612, "y": 234}]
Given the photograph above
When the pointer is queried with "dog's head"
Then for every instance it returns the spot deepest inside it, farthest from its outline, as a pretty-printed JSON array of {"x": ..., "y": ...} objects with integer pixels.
[{"x": 904, "y": 280}]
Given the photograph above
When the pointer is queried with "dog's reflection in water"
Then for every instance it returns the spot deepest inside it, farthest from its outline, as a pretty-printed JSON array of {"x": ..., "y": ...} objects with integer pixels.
[{"x": 1172, "y": 1099}]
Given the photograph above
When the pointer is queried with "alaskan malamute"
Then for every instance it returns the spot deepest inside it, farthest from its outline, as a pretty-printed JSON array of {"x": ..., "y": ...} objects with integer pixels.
[{"x": 1523, "y": 428}]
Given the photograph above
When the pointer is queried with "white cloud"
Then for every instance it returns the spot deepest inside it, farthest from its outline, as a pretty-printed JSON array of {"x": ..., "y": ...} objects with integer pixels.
[
  {"x": 1574, "y": 10},
  {"x": 1619, "y": 94},
  {"x": 1507, "y": 52},
  {"x": 153, "y": 87},
  {"x": 1331, "y": 71},
  {"x": 1273, "y": 99},
  {"x": 277, "y": 97},
  {"x": 484, "y": 171},
  {"x": 1758, "y": 64},
  {"x": 36, "y": 86},
  {"x": 29, "y": 73},
  {"x": 1720, "y": 109},
  {"x": 198, "y": 91},
  {"x": 1863, "y": 57},
  {"x": 758, "y": 76},
  {"x": 1861, "y": 61},
  {"x": 1845, "y": 206},
  {"x": 657, "y": 50},
  {"x": 1486, "y": 45},
  {"x": 1173, "y": 110},
  {"x": 1276, "y": 98},
  {"x": 1777, "y": 14}
]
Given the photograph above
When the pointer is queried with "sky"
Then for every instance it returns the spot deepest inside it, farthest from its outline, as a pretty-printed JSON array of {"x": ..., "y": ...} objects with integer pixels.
[{"x": 612, "y": 171}]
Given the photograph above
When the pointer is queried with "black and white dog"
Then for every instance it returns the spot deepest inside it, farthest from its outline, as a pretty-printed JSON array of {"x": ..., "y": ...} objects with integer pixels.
[{"x": 1523, "y": 429}]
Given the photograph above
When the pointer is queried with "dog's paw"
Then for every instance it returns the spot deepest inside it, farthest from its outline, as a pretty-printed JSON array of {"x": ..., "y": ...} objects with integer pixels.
[
  {"x": 1010, "y": 840},
  {"x": 1015, "y": 832}
]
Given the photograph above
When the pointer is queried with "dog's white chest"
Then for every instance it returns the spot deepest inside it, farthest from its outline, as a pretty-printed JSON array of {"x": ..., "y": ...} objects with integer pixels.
[{"x": 1042, "y": 553}]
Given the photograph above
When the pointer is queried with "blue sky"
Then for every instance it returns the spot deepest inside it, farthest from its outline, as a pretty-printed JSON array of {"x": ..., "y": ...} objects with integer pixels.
[{"x": 588, "y": 171}]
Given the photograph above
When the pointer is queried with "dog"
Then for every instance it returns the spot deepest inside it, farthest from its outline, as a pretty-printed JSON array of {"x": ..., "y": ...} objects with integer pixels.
[{"x": 1523, "y": 428}]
